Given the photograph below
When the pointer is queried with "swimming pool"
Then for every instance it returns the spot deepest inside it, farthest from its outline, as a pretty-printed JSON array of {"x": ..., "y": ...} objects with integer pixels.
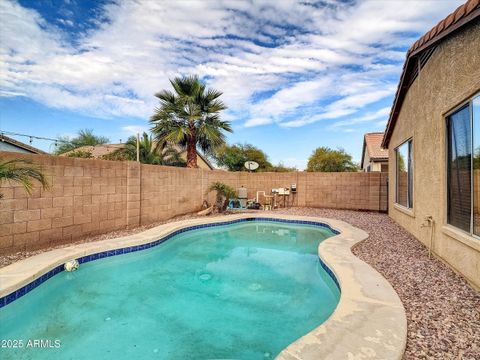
[{"x": 243, "y": 290}]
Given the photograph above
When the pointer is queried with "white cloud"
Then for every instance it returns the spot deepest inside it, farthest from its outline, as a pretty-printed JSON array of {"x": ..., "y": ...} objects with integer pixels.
[
  {"x": 290, "y": 98},
  {"x": 331, "y": 114},
  {"x": 353, "y": 98},
  {"x": 5, "y": 93},
  {"x": 321, "y": 62},
  {"x": 134, "y": 129},
  {"x": 66, "y": 22},
  {"x": 258, "y": 121},
  {"x": 382, "y": 113}
]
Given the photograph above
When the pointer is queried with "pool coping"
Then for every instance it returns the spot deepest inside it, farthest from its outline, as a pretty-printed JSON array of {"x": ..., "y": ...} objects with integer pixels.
[{"x": 368, "y": 322}]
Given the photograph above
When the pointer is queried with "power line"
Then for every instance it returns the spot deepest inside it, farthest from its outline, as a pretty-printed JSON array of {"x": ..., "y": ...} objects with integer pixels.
[
  {"x": 3, "y": 132},
  {"x": 54, "y": 140}
]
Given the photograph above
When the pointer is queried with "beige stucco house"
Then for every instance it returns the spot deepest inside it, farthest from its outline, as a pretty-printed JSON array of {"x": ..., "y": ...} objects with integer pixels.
[
  {"x": 433, "y": 141},
  {"x": 374, "y": 157}
]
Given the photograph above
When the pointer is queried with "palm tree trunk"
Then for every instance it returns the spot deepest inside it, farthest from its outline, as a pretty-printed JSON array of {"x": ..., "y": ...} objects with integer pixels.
[{"x": 192, "y": 151}]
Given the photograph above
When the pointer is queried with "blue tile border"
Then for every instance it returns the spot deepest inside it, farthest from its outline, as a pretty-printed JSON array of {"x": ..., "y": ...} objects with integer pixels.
[
  {"x": 9, "y": 298},
  {"x": 330, "y": 273}
]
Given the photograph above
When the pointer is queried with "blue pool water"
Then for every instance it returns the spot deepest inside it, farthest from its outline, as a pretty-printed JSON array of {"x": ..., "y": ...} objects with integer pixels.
[{"x": 242, "y": 291}]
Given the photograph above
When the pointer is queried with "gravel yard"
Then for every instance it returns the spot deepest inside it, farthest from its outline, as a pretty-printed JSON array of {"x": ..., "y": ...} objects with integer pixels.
[{"x": 443, "y": 311}]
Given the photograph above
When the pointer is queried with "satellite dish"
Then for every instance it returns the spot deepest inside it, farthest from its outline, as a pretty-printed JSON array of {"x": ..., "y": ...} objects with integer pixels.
[{"x": 251, "y": 165}]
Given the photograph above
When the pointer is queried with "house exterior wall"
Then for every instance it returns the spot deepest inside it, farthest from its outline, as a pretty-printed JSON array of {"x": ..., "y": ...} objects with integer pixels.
[
  {"x": 375, "y": 166},
  {"x": 200, "y": 162},
  {"x": 5, "y": 146},
  {"x": 90, "y": 197},
  {"x": 451, "y": 76}
]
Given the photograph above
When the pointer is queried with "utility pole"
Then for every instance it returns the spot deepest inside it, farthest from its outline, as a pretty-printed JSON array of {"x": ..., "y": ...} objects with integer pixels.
[{"x": 138, "y": 147}]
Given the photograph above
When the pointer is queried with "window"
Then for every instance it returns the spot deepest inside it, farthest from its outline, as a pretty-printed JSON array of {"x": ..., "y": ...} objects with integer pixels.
[
  {"x": 404, "y": 175},
  {"x": 463, "y": 167}
]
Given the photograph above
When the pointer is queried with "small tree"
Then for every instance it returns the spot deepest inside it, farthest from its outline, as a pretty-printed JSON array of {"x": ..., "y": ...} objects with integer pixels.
[
  {"x": 85, "y": 137},
  {"x": 282, "y": 168},
  {"x": 324, "y": 159},
  {"x": 80, "y": 154},
  {"x": 224, "y": 192},
  {"x": 233, "y": 157},
  {"x": 21, "y": 171},
  {"x": 150, "y": 152}
]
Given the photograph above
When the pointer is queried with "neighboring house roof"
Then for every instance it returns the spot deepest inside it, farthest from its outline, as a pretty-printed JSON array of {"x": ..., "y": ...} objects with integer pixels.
[
  {"x": 96, "y": 150},
  {"x": 419, "y": 53},
  {"x": 372, "y": 143},
  {"x": 19, "y": 144},
  {"x": 99, "y": 151}
]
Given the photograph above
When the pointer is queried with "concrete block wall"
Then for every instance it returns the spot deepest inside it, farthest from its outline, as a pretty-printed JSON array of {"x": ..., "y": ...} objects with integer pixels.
[
  {"x": 90, "y": 197},
  {"x": 168, "y": 191},
  {"x": 86, "y": 197},
  {"x": 358, "y": 191}
]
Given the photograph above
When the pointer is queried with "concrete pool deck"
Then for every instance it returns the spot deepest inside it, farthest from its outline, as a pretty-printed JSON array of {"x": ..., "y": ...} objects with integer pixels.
[{"x": 369, "y": 321}]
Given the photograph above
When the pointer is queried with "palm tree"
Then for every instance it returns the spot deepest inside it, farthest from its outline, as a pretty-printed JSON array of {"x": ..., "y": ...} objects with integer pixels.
[
  {"x": 150, "y": 151},
  {"x": 21, "y": 171},
  {"x": 224, "y": 193},
  {"x": 190, "y": 117}
]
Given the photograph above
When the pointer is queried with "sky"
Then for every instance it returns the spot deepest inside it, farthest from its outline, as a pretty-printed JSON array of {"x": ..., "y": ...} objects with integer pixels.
[{"x": 294, "y": 75}]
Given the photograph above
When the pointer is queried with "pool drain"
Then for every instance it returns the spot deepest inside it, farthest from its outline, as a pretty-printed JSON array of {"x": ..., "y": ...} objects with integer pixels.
[{"x": 205, "y": 277}]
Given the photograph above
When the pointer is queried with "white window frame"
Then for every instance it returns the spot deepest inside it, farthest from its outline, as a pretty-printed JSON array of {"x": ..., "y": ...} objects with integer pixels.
[
  {"x": 468, "y": 102},
  {"x": 409, "y": 165}
]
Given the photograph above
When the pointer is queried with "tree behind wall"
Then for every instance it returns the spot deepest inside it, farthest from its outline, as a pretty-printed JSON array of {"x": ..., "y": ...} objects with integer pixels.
[
  {"x": 324, "y": 159},
  {"x": 233, "y": 157},
  {"x": 85, "y": 137},
  {"x": 282, "y": 168},
  {"x": 80, "y": 154},
  {"x": 150, "y": 152},
  {"x": 190, "y": 117}
]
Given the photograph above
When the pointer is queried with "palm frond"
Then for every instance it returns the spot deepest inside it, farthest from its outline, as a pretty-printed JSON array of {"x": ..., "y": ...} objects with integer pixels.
[
  {"x": 22, "y": 171},
  {"x": 191, "y": 112}
]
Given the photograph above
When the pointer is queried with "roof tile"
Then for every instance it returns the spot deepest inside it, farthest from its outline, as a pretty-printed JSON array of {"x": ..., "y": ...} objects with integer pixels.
[
  {"x": 97, "y": 151},
  {"x": 457, "y": 15},
  {"x": 374, "y": 149},
  {"x": 466, "y": 13},
  {"x": 471, "y": 5}
]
